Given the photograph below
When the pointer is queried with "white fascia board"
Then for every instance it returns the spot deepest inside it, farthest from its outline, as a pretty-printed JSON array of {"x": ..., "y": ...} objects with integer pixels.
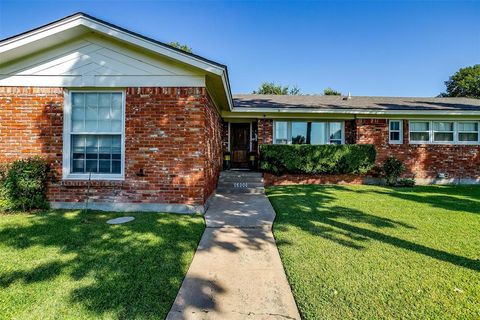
[
  {"x": 39, "y": 34},
  {"x": 358, "y": 111}
]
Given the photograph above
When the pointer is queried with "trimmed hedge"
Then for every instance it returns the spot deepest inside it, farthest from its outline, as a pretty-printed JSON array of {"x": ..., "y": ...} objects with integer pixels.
[{"x": 317, "y": 159}]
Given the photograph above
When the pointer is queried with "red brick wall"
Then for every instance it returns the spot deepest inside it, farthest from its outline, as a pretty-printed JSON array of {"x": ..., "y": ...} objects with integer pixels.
[
  {"x": 213, "y": 144},
  {"x": 31, "y": 123},
  {"x": 265, "y": 131},
  {"x": 423, "y": 161},
  {"x": 172, "y": 134}
]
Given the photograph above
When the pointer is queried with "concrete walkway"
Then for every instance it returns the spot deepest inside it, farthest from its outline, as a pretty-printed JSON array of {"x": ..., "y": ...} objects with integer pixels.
[{"x": 236, "y": 272}]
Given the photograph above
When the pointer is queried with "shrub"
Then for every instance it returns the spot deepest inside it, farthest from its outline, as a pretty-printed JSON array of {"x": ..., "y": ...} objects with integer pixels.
[
  {"x": 393, "y": 169},
  {"x": 25, "y": 184},
  {"x": 406, "y": 182},
  {"x": 317, "y": 159}
]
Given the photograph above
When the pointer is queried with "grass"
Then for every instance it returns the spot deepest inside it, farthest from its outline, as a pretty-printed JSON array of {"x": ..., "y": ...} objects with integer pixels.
[
  {"x": 366, "y": 252},
  {"x": 72, "y": 265}
]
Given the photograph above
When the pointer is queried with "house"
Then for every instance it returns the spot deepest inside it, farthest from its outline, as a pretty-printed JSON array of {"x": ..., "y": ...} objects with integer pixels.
[{"x": 143, "y": 125}]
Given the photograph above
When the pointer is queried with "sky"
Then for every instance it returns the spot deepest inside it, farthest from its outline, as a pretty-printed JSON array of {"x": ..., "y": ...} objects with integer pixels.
[{"x": 368, "y": 48}]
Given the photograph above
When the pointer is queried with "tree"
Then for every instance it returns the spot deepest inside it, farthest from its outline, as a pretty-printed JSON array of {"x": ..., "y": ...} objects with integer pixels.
[
  {"x": 180, "y": 46},
  {"x": 464, "y": 83},
  {"x": 272, "y": 88},
  {"x": 330, "y": 92}
]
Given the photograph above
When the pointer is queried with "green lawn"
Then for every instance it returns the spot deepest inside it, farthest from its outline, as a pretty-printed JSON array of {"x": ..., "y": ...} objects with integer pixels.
[
  {"x": 72, "y": 265},
  {"x": 366, "y": 252}
]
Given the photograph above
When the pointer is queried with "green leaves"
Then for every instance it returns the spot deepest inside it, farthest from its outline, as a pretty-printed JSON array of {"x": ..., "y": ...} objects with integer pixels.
[
  {"x": 25, "y": 184},
  {"x": 330, "y": 92},
  {"x": 317, "y": 159},
  {"x": 180, "y": 46},
  {"x": 464, "y": 83},
  {"x": 272, "y": 88},
  {"x": 393, "y": 169}
]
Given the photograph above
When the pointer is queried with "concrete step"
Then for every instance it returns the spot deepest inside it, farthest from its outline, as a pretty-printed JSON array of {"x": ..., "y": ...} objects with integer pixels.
[
  {"x": 239, "y": 184},
  {"x": 241, "y": 179},
  {"x": 257, "y": 190},
  {"x": 240, "y": 174}
]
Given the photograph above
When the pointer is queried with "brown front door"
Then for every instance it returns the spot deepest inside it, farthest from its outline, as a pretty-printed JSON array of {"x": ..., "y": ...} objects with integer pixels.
[{"x": 240, "y": 140}]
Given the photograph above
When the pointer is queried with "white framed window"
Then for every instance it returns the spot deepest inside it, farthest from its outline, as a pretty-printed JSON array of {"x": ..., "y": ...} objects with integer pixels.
[
  {"x": 94, "y": 135},
  {"x": 444, "y": 132},
  {"x": 335, "y": 133},
  {"x": 301, "y": 132},
  {"x": 419, "y": 131},
  {"x": 281, "y": 132},
  {"x": 468, "y": 132},
  {"x": 395, "y": 131}
]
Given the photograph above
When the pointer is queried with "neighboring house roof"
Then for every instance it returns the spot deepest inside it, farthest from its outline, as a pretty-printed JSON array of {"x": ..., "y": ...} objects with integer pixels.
[
  {"x": 58, "y": 32},
  {"x": 318, "y": 103}
]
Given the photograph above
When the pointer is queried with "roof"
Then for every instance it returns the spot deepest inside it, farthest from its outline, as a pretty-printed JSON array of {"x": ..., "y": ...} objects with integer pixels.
[
  {"x": 82, "y": 14},
  {"x": 57, "y": 32},
  {"x": 320, "y": 102}
]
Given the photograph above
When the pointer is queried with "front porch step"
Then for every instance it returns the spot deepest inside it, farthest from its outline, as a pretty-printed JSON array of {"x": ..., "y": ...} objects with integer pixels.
[
  {"x": 256, "y": 190},
  {"x": 240, "y": 184},
  {"x": 236, "y": 181},
  {"x": 240, "y": 174}
]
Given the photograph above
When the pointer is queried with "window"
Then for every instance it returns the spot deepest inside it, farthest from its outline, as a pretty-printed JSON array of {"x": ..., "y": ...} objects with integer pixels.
[
  {"x": 94, "y": 132},
  {"x": 419, "y": 131},
  {"x": 396, "y": 131},
  {"x": 444, "y": 131},
  {"x": 297, "y": 132},
  {"x": 335, "y": 132},
  {"x": 318, "y": 133},
  {"x": 281, "y": 132},
  {"x": 468, "y": 132}
]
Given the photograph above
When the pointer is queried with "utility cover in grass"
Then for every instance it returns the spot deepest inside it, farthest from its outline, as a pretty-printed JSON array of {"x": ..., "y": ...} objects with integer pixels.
[{"x": 120, "y": 220}]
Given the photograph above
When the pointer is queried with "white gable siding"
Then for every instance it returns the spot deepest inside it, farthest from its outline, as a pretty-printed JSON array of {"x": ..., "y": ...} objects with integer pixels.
[{"x": 94, "y": 61}]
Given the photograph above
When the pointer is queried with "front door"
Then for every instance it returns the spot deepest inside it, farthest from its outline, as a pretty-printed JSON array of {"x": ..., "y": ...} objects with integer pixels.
[{"x": 240, "y": 141}]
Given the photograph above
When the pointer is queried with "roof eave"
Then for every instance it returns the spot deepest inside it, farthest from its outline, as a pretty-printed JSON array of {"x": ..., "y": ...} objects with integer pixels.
[{"x": 357, "y": 111}]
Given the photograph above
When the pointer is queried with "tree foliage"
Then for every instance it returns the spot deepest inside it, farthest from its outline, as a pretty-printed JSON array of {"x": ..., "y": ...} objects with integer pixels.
[
  {"x": 180, "y": 46},
  {"x": 272, "y": 88},
  {"x": 330, "y": 92},
  {"x": 464, "y": 83}
]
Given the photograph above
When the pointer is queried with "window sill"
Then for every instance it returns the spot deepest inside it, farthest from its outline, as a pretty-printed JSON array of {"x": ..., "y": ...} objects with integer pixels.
[
  {"x": 92, "y": 183},
  {"x": 93, "y": 177}
]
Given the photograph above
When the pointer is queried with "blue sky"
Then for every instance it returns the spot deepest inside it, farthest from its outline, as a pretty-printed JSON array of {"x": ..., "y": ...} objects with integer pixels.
[{"x": 383, "y": 48}]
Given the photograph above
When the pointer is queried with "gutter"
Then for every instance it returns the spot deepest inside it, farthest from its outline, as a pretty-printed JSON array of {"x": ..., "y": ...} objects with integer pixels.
[{"x": 356, "y": 111}]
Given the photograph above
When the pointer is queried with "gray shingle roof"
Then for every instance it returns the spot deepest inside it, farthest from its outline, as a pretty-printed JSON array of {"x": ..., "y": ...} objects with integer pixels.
[{"x": 366, "y": 103}]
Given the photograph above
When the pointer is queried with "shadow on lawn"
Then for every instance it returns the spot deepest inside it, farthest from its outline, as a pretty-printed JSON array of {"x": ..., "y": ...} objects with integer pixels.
[
  {"x": 137, "y": 268},
  {"x": 310, "y": 213},
  {"x": 446, "y": 197}
]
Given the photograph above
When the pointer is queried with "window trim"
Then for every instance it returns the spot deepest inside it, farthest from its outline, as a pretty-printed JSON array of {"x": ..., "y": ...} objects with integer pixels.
[
  {"x": 67, "y": 126},
  {"x": 455, "y": 132},
  {"x": 400, "y": 131},
  {"x": 308, "y": 122}
]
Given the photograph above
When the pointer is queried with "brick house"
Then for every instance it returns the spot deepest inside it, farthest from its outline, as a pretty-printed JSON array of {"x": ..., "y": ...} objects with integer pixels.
[{"x": 145, "y": 124}]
